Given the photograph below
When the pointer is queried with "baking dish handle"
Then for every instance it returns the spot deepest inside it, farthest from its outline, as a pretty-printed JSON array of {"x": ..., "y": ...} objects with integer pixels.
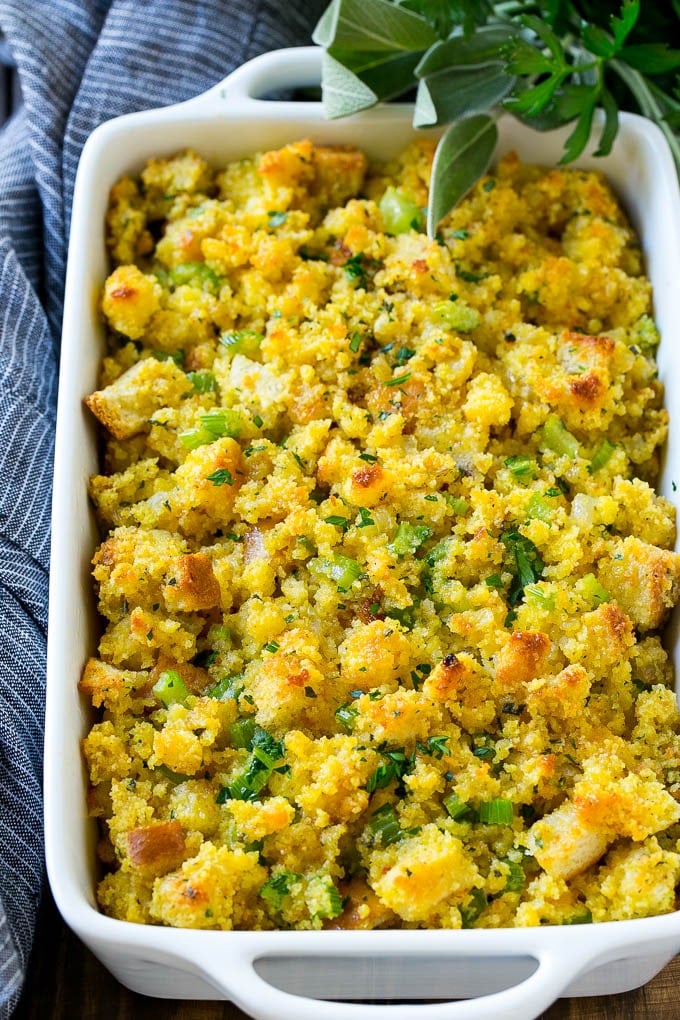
[
  {"x": 296, "y": 66},
  {"x": 523, "y": 1001}
]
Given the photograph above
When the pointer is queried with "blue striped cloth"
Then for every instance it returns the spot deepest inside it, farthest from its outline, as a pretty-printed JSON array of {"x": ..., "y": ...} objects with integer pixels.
[{"x": 80, "y": 62}]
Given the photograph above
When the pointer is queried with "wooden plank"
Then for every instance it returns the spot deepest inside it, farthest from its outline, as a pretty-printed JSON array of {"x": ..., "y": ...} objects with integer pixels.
[{"x": 65, "y": 981}]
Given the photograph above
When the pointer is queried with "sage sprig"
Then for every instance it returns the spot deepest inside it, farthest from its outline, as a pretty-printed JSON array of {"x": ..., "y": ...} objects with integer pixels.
[{"x": 547, "y": 62}]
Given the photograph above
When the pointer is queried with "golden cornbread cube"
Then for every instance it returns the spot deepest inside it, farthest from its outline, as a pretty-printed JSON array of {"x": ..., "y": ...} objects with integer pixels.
[
  {"x": 130, "y": 300},
  {"x": 565, "y": 844},
  {"x": 185, "y": 172},
  {"x": 633, "y": 804},
  {"x": 157, "y": 848},
  {"x": 488, "y": 403},
  {"x": 637, "y": 881},
  {"x": 289, "y": 691},
  {"x": 422, "y": 874},
  {"x": 522, "y": 657},
  {"x": 215, "y": 889},
  {"x": 124, "y": 407},
  {"x": 561, "y": 696},
  {"x": 374, "y": 654},
  {"x": 106, "y": 753},
  {"x": 109, "y": 686},
  {"x": 126, "y": 895},
  {"x": 126, "y": 219},
  {"x": 184, "y": 742},
  {"x": 398, "y": 717},
  {"x": 206, "y": 484},
  {"x": 255, "y": 820},
  {"x": 328, "y": 776},
  {"x": 644, "y": 580},
  {"x": 192, "y": 803},
  {"x": 131, "y": 567},
  {"x": 193, "y": 585},
  {"x": 363, "y": 910}
]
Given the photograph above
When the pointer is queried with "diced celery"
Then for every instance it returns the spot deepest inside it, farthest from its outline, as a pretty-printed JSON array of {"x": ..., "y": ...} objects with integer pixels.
[
  {"x": 459, "y": 505},
  {"x": 439, "y": 552},
  {"x": 583, "y": 917},
  {"x": 457, "y": 315},
  {"x": 646, "y": 334},
  {"x": 170, "y": 689},
  {"x": 516, "y": 877},
  {"x": 409, "y": 538},
  {"x": 536, "y": 595},
  {"x": 241, "y": 732},
  {"x": 399, "y": 212},
  {"x": 173, "y": 777},
  {"x": 498, "y": 811},
  {"x": 214, "y": 425},
  {"x": 591, "y": 589},
  {"x": 384, "y": 826},
  {"x": 601, "y": 456},
  {"x": 538, "y": 509},
  {"x": 558, "y": 439},
  {"x": 522, "y": 467},
  {"x": 176, "y": 356},
  {"x": 227, "y": 687},
  {"x": 456, "y": 808},
  {"x": 341, "y": 569},
  {"x": 241, "y": 341},
  {"x": 473, "y": 907},
  {"x": 203, "y": 382},
  {"x": 333, "y": 902},
  {"x": 277, "y": 887},
  {"x": 195, "y": 274}
]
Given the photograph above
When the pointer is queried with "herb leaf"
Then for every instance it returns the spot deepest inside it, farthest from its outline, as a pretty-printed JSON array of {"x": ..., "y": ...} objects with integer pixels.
[
  {"x": 463, "y": 155},
  {"x": 373, "y": 26},
  {"x": 456, "y": 93},
  {"x": 343, "y": 91}
]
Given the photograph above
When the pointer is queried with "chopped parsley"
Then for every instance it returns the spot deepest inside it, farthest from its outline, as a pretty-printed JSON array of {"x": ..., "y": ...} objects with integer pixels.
[{"x": 221, "y": 477}]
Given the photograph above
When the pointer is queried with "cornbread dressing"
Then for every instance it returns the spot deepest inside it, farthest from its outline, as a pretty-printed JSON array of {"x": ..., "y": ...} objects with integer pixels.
[{"x": 382, "y": 568}]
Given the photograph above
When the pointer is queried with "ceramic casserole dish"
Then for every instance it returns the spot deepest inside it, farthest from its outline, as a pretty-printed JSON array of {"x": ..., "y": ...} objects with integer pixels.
[{"x": 508, "y": 974}]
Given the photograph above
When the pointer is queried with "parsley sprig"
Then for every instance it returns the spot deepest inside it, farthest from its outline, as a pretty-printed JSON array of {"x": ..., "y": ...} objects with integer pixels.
[{"x": 547, "y": 62}]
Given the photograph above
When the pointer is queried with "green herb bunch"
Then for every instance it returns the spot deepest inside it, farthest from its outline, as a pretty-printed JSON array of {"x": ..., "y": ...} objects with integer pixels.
[{"x": 548, "y": 63}]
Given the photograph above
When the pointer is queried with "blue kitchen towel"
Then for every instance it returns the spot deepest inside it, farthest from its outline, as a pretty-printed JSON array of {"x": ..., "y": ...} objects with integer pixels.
[{"x": 80, "y": 62}]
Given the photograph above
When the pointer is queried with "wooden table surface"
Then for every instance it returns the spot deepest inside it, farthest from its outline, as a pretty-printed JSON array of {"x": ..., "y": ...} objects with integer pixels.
[{"x": 65, "y": 982}]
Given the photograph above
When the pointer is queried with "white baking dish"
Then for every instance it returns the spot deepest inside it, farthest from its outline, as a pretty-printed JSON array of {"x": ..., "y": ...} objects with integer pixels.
[{"x": 275, "y": 975}]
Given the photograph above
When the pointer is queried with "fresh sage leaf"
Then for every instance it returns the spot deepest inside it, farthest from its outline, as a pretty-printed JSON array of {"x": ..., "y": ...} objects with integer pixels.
[
  {"x": 443, "y": 15},
  {"x": 463, "y": 155},
  {"x": 385, "y": 74},
  {"x": 324, "y": 33},
  {"x": 485, "y": 47},
  {"x": 373, "y": 25},
  {"x": 447, "y": 96},
  {"x": 343, "y": 92}
]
